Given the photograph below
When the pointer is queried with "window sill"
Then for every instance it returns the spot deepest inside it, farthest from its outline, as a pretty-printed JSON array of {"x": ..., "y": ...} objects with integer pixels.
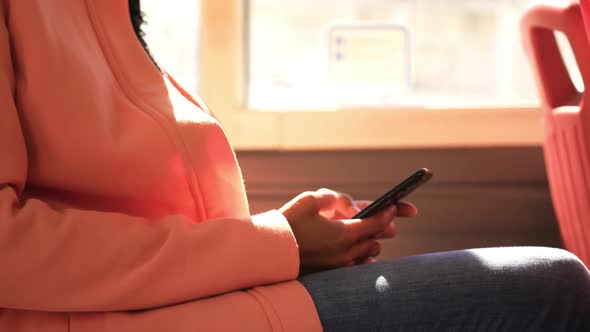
[{"x": 383, "y": 128}]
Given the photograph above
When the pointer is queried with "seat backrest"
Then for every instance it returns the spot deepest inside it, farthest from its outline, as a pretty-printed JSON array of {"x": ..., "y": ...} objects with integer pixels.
[{"x": 566, "y": 118}]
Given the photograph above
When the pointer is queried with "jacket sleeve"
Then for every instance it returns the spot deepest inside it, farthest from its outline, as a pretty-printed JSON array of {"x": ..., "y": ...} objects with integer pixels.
[{"x": 71, "y": 260}]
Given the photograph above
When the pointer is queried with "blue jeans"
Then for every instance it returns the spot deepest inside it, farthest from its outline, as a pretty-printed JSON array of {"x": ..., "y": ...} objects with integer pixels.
[{"x": 507, "y": 289}]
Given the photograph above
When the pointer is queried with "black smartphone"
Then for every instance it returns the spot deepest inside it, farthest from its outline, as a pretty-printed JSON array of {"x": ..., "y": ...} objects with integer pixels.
[{"x": 396, "y": 194}]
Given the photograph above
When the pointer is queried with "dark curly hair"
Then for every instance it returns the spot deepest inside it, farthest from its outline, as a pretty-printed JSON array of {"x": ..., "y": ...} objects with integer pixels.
[{"x": 138, "y": 19}]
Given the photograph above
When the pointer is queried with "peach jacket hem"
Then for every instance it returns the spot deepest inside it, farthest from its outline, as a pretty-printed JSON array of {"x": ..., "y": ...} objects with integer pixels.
[{"x": 122, "y": 206}]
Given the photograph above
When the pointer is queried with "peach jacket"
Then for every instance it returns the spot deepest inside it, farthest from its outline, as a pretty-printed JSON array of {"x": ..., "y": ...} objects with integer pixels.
[{"x": 122, "y": 207}]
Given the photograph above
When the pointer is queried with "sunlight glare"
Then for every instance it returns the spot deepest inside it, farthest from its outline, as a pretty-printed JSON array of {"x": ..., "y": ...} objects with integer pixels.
[{"x": 382, "y": 285}]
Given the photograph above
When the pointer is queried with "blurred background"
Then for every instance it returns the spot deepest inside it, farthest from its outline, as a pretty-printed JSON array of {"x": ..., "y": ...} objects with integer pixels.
[{"x": 355, "y": 95}]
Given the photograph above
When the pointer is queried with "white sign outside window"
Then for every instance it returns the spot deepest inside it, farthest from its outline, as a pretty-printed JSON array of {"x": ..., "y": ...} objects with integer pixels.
[{"x": 375, "y": 58}]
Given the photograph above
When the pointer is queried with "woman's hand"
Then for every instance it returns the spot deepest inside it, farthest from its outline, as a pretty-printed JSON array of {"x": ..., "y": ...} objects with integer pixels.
[
  {"x": 325, "y": 242},
  {"x": 404, "y": 209}
]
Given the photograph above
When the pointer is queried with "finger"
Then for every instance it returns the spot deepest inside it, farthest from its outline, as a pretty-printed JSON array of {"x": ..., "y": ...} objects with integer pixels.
[
  {"x": 360, "y": 251},
  {"x": 338, "y": 216},
  {"x": 376, "y": 224},
  {"x": 344, "y": 206},
  {"x": 363, "y": 203},
  {"x": 389, "y": 232},
  {"x": 313, "y": 202},
  {"x": 366, "y": 260},
  {"x": 406, "y": 209},
  {"x": 330, "y": 214},
  {"x": 348, "y": 215}
]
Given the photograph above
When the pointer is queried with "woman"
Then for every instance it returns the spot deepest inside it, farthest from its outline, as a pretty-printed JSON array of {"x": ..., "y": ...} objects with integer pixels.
[{"x": 122, "y": 209}]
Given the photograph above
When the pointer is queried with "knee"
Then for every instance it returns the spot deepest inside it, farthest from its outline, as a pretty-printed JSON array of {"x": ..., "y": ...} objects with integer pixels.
[
  {"x": 568, "y": 267},
  {"x": 559, "y": 266},
  {"x": 537, "y": 266}
]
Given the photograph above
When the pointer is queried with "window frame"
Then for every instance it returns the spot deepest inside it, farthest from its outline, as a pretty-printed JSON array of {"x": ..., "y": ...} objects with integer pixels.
[{"x": 223, "y": 77}]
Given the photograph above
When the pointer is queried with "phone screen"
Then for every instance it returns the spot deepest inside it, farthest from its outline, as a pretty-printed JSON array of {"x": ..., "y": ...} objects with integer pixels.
[{"x": 393, "y": 196}]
